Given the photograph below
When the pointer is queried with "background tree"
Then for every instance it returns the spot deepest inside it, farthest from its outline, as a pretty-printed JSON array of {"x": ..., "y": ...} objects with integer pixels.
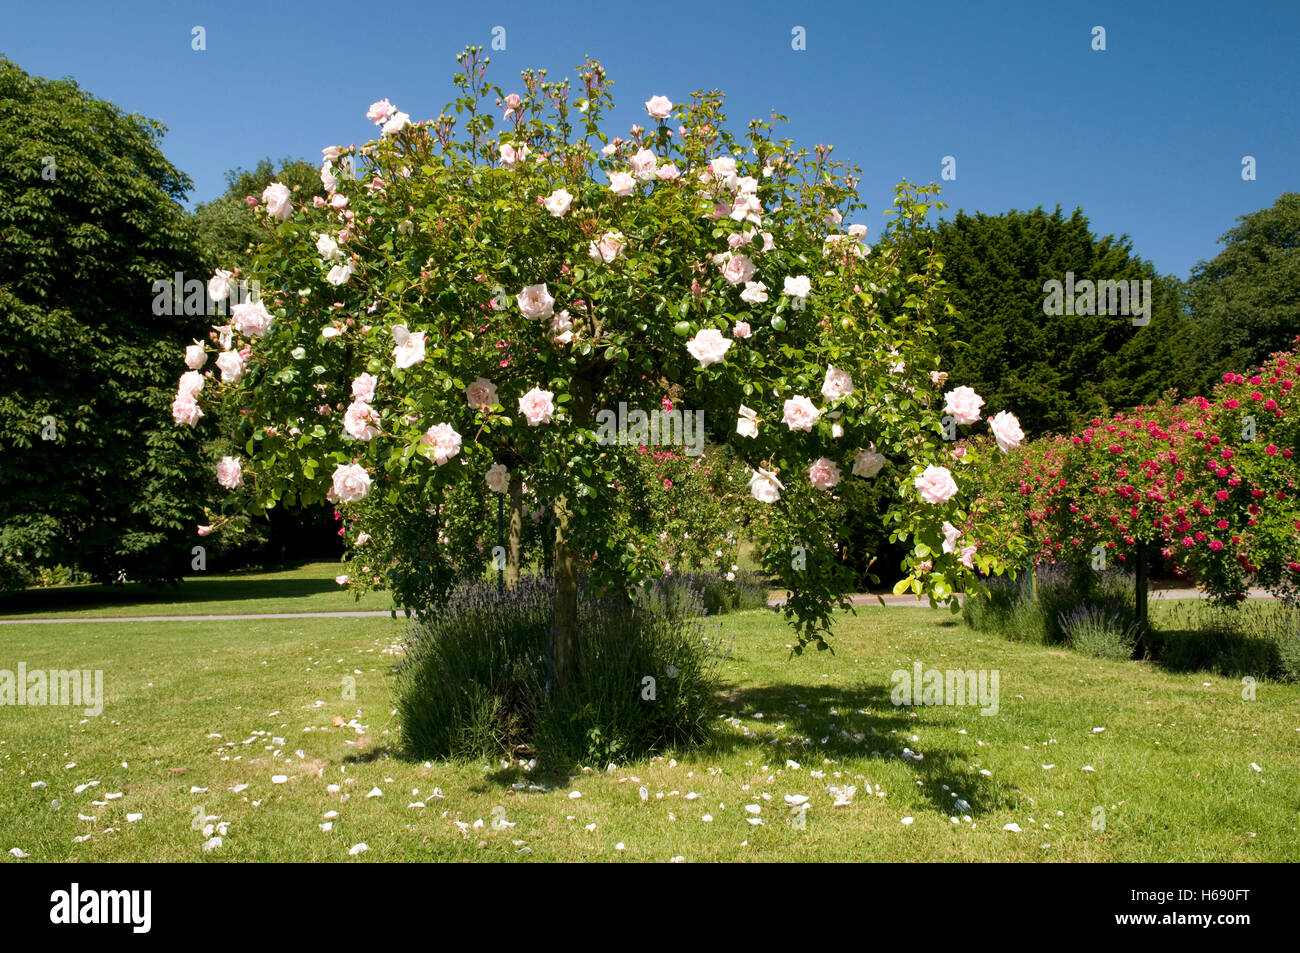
[
  {"x": 1246, "y": 301},
  {"x": 90, "y": 215},
  {"x": 1053, "y": 372},
  {"x": 228, "y": 231}
]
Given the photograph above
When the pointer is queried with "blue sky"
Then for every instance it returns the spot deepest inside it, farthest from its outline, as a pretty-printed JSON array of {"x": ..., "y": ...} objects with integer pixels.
[{"x": 1147, "y": 136}]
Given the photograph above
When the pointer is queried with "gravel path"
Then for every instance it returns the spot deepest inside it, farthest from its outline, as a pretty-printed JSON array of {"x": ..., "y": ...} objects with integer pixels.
[{"x": 857, "y": 600}]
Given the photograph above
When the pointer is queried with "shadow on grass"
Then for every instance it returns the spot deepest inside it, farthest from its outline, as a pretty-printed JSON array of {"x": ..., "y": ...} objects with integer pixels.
[
  {"x": 226, "y": 588},
  {"x": 937, "y": 767}
]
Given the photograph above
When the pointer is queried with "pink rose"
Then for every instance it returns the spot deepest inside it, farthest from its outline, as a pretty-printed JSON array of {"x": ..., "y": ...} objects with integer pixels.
[
  {"x": 799, "y": 286},
  {"x": 1006, "y": 431},
  {"x": 659, "y": 107},
  {"x": 380, "y": 111},
  {"x": 363, "y": 388},
  {"x": 747, "y": 422},
  {"x": 409, "y": 349},
  {"x": 444, "y": 440},
  {"x": 229, "y": 473},
  {"x": 867, "y": 463},
  {"x": 195, "y": 356},
  {"x": 964, "y": 405},
  {"x": 708, "y": 346},
  {"x": 799, "y": 413},
  {"x": 562, "y": 328},
  {"x": 738, "y": 269},
  {"x": 231, "y": 366},
  {"x": 667, "y": 172},
  {"x": 351, "y": 483},
  {"x": 755, "y": 292},
  {"x": 185, "y": 410},
  {"x": 838, "y": 383},
  {"x": 936, "y": 485},
  {"x": 512, "y": 155},
  {"x": 327, "y": 247},
  {"x": 360, "y": 421},
  {"x": 250, "y": 318},
  {"x": 967, "y": 556},
  {"x": 824, "y": 474},
  {"x": 498, "y": 478},
  {"x": 396, "y": 123},
  {"x": 608, "y": 247},
  {"x": 278, "y": 201},
  {"x": 481, "y": 393},
  {"x": 512, "y": 103},
  {"x": 950, "y": 536},
  {"x": 205, "y": 530},
  {"x": 622, "y": 183},
  {"x": 535, "y": 302},
  {"x": 219, "y": 285},
  {"x": 741, "y": 329},
  {"x": 643, "y": 164},
  {"x": 537, "y": 406},
  {"x": 765, "y": 487},
  {"x": 191, "y": 384}
]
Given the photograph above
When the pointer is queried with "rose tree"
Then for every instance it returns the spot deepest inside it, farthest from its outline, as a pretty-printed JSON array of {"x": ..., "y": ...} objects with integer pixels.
[{"x": 454, "y": 318}]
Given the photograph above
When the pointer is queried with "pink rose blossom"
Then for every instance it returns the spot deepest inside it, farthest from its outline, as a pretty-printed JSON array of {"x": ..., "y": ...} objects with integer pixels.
[
  {"x": 738, "y": 269},
  {"x": 444, "y": 440},
  {"x": 659, "y": 107},
  {"x": 363, "y": 388},
  {"x": 537, "y": 406},
  {"x": 350, "y": 483},
  {"x": 708, "y": 346},
  {"x": 838, "y": 383},
  {"x": 608, "y": 247},
  {"x": 799, "y": 413},
  {"x": 964, "y": 405},
  {"x": 481, "y": 393},
  {"x": 360, "y": 421},
  {"x": 867, "y": 463},
  {"x": 535, "y": 302},
  {"x": 498, "y": 478},
  {"x": 644, "y": 163},
  {"x": 185, "y": 410},
  {"x": 824, "y": 474},
  {"x": 1006, "y": 431},
  {"x": 231, "y": 366},
  {"x": 622, "y": 183},
  {"x": 741, "y": 330},
  {"x": 229, "y": 473},
  {"x": 380, "y": 111},
  {"x": 278, "y": 201},
  {"x": 765, "y": 487},
  {"x": 250, "y": 318},
  {"x": 936, "y": 485}
]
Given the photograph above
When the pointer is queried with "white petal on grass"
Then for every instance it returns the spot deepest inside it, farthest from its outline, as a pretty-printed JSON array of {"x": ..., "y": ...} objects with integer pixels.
[
  {"x": 375, "y": 792},
  {"x": 1013, "y": 827},
  {"x": 37, "y": 785},
  {"x": 133, "y": 818},
  {"x": 279, "y": 779},
  {"x": 796, "y": 799},
  {"x": 212, "y": 843},
  {"x": 907, "y": 821},
  {"x": 1087, "y": 767},
  {"x": 574, "y": 795},
  {"x": 1255, "y": 766},
  {"x": 19, "y": 853},
  {"x": 357, "y": 849},
  {"x": 327, "y": 826},
  {"x": 754, "y": 808}
]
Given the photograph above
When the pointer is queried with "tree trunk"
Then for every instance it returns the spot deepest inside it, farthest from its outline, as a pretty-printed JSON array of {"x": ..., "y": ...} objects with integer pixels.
[
  {"x": 516, "y": 532},
  {"x": 566, "y": 596}
]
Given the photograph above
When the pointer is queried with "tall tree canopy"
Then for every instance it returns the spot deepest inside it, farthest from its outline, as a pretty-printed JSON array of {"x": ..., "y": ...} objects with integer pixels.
[
  {"x": 1054, "y": 370},
  {"x": 1246, "y": 301},
  {"x": 90, "y": 217}
]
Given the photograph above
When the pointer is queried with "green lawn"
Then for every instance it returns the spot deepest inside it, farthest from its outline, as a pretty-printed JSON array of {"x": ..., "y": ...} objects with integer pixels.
[
  {"x": 217, "y": 705},
  {"x": 309, "y": 588}
]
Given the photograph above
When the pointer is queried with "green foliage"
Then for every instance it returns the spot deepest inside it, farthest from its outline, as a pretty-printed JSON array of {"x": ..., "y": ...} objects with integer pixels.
[
  {"x": 1245, "y": 302},
  {"x": 1053, "y": 372},
  {"x": 227, "y": 226},
  {"x": 475, "y": 679},
  {"x": 95, "y": 475},
  {"x": 1092, "y": 630}
]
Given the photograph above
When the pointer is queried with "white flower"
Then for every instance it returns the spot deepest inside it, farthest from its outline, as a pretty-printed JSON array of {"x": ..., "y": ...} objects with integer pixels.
[
  {"x": 708, "y": 346},
  {"x": 755, "y": 292},
  {"x": 747, "y": 422},
  {"x": 558, "y": 202},
  {"x": 800, "y": 286},
  {"x": 410, "y": 347},
  {"x": 765, "y": 487}
]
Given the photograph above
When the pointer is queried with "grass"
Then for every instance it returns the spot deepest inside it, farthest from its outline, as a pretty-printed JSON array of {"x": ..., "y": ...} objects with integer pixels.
[
  {"x": 309, "y": 588},
  {"x": 1172, "y": 768}
]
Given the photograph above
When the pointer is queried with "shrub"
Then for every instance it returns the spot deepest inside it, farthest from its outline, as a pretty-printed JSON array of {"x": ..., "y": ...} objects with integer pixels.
[
  {"x": 1093, "y": 630},
  {"x": 476, "y": 677},
  {"x": 1251, "y": 640},
  {"x": 716, "y": 594}
]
